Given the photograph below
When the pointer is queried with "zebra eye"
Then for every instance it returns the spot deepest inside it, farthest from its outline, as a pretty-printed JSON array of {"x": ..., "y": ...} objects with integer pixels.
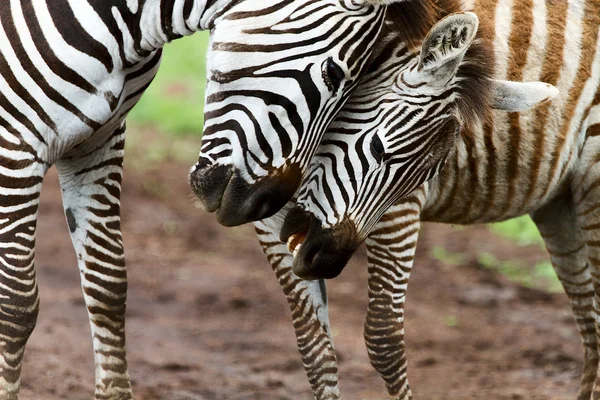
[
  {"x": 377, "y": 148},
  {"x": 333, "y": 75}
]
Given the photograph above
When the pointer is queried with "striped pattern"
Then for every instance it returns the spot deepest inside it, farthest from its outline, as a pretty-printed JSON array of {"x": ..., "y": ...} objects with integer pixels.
[
  {"x": 70, "y": 71},
  {"x": 96, "y": 233},
  {"x": 390, "y": 256},
  {"x": 543, "y": 163}
]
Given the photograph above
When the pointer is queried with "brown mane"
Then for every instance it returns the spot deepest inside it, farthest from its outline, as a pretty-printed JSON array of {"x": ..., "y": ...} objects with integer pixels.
[
  {"x": 475, "y": 84},
  {"x": 409, "y": 22}
]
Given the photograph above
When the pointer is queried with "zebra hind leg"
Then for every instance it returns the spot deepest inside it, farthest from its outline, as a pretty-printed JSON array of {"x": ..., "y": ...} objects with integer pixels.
[
  {"x": 308, "y": 304},
  {"x": 568, "y": 253},
  {"x": 585, "y": 190},
  {"x": 20, "y": 185},
  {"x": 391, "y": 250},
  {"x": 91, "y": 186}
]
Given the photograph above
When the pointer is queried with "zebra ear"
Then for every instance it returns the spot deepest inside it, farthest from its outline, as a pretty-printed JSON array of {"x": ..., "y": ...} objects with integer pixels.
[
  {"x": 521, "y": 96},
  {"x": 446, "y": 44}
]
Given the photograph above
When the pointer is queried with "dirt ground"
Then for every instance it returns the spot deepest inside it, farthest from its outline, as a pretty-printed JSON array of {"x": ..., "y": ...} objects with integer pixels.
[{"x": 207, "y": 320}]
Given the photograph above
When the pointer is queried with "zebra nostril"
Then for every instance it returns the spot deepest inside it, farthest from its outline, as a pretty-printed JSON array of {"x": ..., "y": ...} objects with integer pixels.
[
  {"x": 209, "y": 184},
  {"x": 202, "y": 163}
]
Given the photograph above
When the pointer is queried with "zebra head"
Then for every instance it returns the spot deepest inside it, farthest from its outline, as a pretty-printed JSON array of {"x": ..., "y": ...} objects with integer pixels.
[
  {"x": 393, "y": 135},
  {"x": 278, "y": 73}
]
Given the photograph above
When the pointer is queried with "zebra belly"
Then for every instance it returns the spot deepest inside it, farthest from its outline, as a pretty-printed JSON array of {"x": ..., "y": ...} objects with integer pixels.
[
  {"x": 472, "y": 207},
  {"x": 51, "y": 126}
]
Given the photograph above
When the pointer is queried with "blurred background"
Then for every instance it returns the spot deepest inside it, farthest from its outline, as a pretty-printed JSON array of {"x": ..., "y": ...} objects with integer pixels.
[{"x": 486, "y": 316}]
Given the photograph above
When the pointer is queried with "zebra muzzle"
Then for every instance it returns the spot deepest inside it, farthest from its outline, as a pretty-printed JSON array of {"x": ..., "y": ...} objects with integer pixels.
[
  {"x": 319, "y": 253},
  {"x": 295, "y": 229},
  {"x": 209, "y": 183},
  {"x": 222, "y": 189}
]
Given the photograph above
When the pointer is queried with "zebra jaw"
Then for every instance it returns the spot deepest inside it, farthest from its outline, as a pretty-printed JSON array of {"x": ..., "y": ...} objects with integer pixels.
[{"x": 294, "y": 242}]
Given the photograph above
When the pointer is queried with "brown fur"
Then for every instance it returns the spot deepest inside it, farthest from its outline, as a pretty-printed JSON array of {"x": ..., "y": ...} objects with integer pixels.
[
  {"x": 519, "y": 42},
  {"x": 557, "y": 15},
  {"x": 410, "y": 21},
  {"x": 591, "y": 22},
  {"x": 475, "y": 88}
]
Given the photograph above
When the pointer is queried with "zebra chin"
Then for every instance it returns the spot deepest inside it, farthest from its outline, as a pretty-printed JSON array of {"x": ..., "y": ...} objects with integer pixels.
[
  {"x": 222, "y": 190},
  {"x": 323, "y": 252}
]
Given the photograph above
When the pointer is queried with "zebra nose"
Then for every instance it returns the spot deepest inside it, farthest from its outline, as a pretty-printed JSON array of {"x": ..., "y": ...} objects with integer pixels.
[
  {"x": 325, "y": 252},
  {"x": 236, "y": 201},
  {"x": 209, "y": 182}
]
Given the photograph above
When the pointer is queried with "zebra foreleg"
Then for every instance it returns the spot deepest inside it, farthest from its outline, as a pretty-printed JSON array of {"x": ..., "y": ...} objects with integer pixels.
[
  {"x": 91, "y": 186},
  {"x": 308, "y": 303},
  {"x": 568, "y": 254},
  {"x": 391, "y": 249},
  {"x": 20, "y": 186}
]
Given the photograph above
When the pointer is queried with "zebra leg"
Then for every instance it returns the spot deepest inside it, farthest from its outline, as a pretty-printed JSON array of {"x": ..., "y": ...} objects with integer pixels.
[
  {"x": 91, "y": 186},
  {"x": 585, "y": 189},
  {"x": 568, "y": 253},
  {"x": 308, "y": 303},
  {"x": 20, "y": 186},
  {"x": 391, "y": 250}
]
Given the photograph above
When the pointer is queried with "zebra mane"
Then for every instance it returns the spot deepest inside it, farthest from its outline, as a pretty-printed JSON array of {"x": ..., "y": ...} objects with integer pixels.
[
  {"x": 409, "y": 22},
  {"x": 474, "y": 79}
]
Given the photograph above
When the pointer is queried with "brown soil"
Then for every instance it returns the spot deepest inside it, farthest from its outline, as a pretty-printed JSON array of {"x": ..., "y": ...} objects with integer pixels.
[{"x": 207, "y": 319}]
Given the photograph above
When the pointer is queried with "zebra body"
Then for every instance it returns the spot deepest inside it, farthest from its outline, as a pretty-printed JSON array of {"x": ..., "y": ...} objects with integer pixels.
[
  {"x": 521, "y": 162},
  {"x": 545, "y": 167},
  {"x": 542, "y": 163}
]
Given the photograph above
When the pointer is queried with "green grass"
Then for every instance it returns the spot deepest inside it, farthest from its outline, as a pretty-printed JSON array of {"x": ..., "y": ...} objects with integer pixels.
[
  {"x": 148, "y": 148},
  {"x": 541, "y": 276},
  {"x": 447, "y": 257},
  {"x": 173, "y": 104},
  {"x": 521, "y": 230}
]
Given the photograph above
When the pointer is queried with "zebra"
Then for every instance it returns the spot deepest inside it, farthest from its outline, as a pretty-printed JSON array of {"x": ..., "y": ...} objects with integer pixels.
[
  {"x": 70, "y": 71},
  {"x": 376, "y": 181},
  {"x": 360, "y": 117}
]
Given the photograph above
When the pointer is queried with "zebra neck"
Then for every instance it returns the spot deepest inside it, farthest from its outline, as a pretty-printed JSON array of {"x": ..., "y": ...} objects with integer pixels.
[{"x": 162, "y": 21}]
